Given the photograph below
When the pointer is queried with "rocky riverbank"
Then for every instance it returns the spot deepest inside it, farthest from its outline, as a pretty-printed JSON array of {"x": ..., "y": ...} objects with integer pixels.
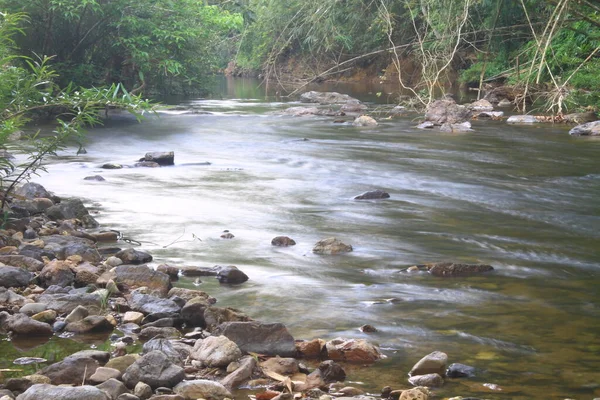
[{"x": 61, "y": 275}]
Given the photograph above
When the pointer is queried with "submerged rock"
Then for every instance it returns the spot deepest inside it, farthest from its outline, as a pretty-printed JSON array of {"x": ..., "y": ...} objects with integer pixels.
[
  {"x": 283, "y": 241},
  {"x": 589, "y": 129},
  {"x": 452, "y": 269},
  {"x": 22, "y": 325},
  {"x": 331, "y": 246},
  {"x": 457, "y": 370},
  {"x": 373, "y": 195}
]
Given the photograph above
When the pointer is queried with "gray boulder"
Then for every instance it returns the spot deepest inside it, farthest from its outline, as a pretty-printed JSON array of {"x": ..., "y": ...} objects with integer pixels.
[
  {"x": 283, "y": 241},
  {"x": 113, "y": 388},
  {"x": 522, "y": 119},
  {"x": 155, "y": 369},
  {"x": 241, "y": 374},
  {"x": 32, "y": 190},
  {"x": 91, "y": 324},
  {"x": 166, "y": 347},
  {"x": 331, "y": 246},
  {"x": 364, "y": 120},
  {"x": 326, "y": 98},
  {"x": 133, "y": 256},
  {"x": 64, "y": 303},
  {"x": 7, "y": 296},
  {"x": 14, "y": 277},
  {"x": 589, "y": 129},
  {"x": 50, "y": 392},
  {"x": 231, "y": 274},
  {"x": 161, "y": 158},
  {"x": 373, "y": 195},
  {"x": 433, "y": 363},
  {"x": 447, "y": 112},
  {"x": 135, "y": 276},
  {"x": 216, "y": 351},
  {"x": 428, "y": 380},
  {"x": 28, "y": 263},
  {"x": 149, "y": 304},
  {"x": 68, "y": 209},
  {"x": 71, "y": 370},
  {"x": 202, "y": 389},
  {"x": 22, "y": 325},
  {"x": 271, "y": 339},
  {"x": 58, "y": 273}
]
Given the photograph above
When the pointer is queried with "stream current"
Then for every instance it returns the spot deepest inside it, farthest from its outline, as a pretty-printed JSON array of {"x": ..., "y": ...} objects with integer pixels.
[{"x": 521, "y": 198}]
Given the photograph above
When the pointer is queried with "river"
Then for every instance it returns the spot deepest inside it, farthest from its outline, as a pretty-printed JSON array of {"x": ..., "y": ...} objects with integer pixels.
[{"x": 521, "y": 198}]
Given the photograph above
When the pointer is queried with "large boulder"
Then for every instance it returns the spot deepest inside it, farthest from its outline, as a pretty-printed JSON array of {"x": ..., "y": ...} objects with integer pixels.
[
  {"x": 214, "y": 316},
  {"x": 166, "y": 347},
  {"x": 133, "y": 256},
  {"x": 71, "y": 371},
  {"x": 232, "y": 275},
  {"x": 216, "y": 351},
  {"x": 326, "y": 98},
  {"x": 331, "y": 246},
  {"x": 448, "y": 269},
  {"x": 90, "y": 324},
  {"x": 589, "y": 129},
  {"x": 352, "y": 350},
  {"x": 364, "y": 120},
  {"x": 433, "y": 363},
  {"x": 155, "y": 369},
  {"x": 271, "y": 339},
  {"x": 22, "y": 325},
  {"x": 149, "y": 304},
  {"x": 64, "y": 303},
  {"x": 69, "y": 209},
  {"x": 135, "y": 276},
  {"x": 32, "y": 190},
  {"x": 164, "y": 158},
  {"x": 50, "y": 392},
  {"x": 14, "y": 277},
  {"x": 447, "y": 112},
  {"x": 202, "y": 389}
]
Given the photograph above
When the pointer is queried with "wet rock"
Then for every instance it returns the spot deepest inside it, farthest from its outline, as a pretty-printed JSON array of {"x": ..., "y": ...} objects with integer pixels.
[
  {"x": 193, "y": 312},
  {"x": 456, "y": 128},
  {"x": 133, "y": 256},
  {"x": 368, "y": 329},
  {"x": 505, "y": 103},
  {"x": 102, "y": 374},
  {"x": 78, "y": 313},
  {"x": 428, "y": 380},
  {"x": 17, "y": 384},
  {"x": 113, "y": 388},
  {"x": 146, "y": 164},
  {"x": 522, "y": 119},
  {"x": 20, "y": 261},
  {"x": 581, "y": 118},
  {"x": 172, "y": 272},
  {"x": 373, "y": 195},
  {"x": 148, "y": 304},
  {"x": 232, "y": 275},
  {"x": 161, "y": 158},
  {"x": 155, "y": 369},
  {"x": 101, "y": 356},
  {"x": 481, "y": 105},
  {"x": 189, "y": 294},
  {"x": 433, "y": 363},
  {"x": 32, "y": 190},
  {"x": 198, "y": 271},
  {"x": 331, "y": 246},
  {"x": 152, "y": 332},
  {"x": 111, "y": 166},
  {"x": 65, "y": 246},
  {"x": 489, "y": 115},
  {"x": 14, "y": 277},
  {"x": 202, "y": 389},
  {"x": 91, "y": 324},
  {"x": 310, "y": 349},
  {"x": 71, "y": 370},
  {"x": 97, "y": 178},
  {"x": 227, "y": 235},
  {"x": 122, "y": 363},
  {"x": 214, "y": 316},
  {"x": 447, "y": 111},
  {"x": 105, "y": 236},
  {"x": 452, "y": 269},
  {"x": 589, "y": 129},
  {"x": 418, "y": 393},
  {"x": 50, "y": 392},
  {"x": 47, "y": 316},
  {"x": 57, "y": 272},
  {"x": 22, "y": 325},
  {"x": 67, "y": 209},
  {"x": 241, "y": 374},
  {"x": 331, "y": 371},
  {"x": 364, "y": 120},
  {"x": 351, "y": 391},
  {"x": 270, "y": 339},
  {"x": 281, "y": 366},
  {"x": 352, "y": 350},
  {"x": 457, "y": 370},
  {"x": 353, "y": 106},
  {"x": 283, "y": 241},
  {"x": 216, "y": 351},
  {"x": 304, "y": 111},
  {"x": 326, "y": 98},
  {"x": 167, "y": 348},
  {"x": 135, "y": 276}
]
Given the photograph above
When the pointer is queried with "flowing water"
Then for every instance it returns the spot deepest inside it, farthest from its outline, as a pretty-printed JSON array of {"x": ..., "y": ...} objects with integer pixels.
[{"x": 523, "y": 199}]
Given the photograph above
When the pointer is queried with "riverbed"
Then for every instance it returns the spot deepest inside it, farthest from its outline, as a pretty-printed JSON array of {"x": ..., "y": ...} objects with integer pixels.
[{"x": 521, "y": 198}]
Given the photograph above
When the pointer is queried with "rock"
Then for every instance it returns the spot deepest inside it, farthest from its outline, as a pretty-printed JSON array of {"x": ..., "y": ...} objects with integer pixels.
[
  {"x": 305, "y": 111},
  {"x": 146, "y": 164},
  {"x": 198, "y": 271},
  {"x": 489, "y": 115},
  {"x": 351, "y": 391},
  {"x": 216, "y": 351},
  {"x": 352, "y": 350},
  {"x": 17, "y": 384},
  {"x": 97, "y": 178},
  {"x": 22, "y": 325},
  {"x": 232, "y": 275},
  {"x": 581, "y": 118},
  {"x": 171, "y": 271},
  {"x": 481, "y": 105},
  {"x": 132, "y": 317},
  {"x": 155, "y": 369},
  {"x": 589, "y": 129},
  {"x": 101, "y": 356},
  {"x": 105, "y": 236},
  {"x": 189, "y": 294},
  {"x": 331, "y": 371},
  {"x": 227, "y": 235},
  {"x": 152, "y": 332},
  {"x": 193, "y": 312},
  {"x": 71, "y": 370},
  {"x": 364, "y": 120},
  {"x": 133, "y": 256},
  {"x": 331, "y": 246},
  {"x": 128, "y": 396},
  {"x": 103, "y": 374},
  {"x": 166, "y": 347},
  {"x": 428, "y": 380},
  {"x": 281, "y": 366},
  {"x": 135, "y": 276},
  {"x": 57, "y": 272},
  {"x": 373, "y": 195},
  {"x": 67, "y": 209},
  {"x": 283, "y": 241},
  {"x": 91, "y": 324},
  {"x": 456, "y": 128},
  {"x": 14, "y": 277},
  {"x": 32, "y": 308},
  {"x": 368, "y": 329},
  {"x": 46, "y": 316},
  {"x": 451, "y": 269},
  {"x": 522, "y": 119},
  {"x": 113, "y": 388},
  {"x": 310, "y": 349},
  {"x": 457, "y": 370},
  {"x": 257, "y": 337},
  {"x": 326, "y": 98},
  {"x": 418, "y": 393},
  {"x": 161, "y": 158},
  {"x": 241, "y": 374},
  {"x": 79, "y": 313},
  {"x": 433, "y": 363},
  {"x": 113, "y": 261},
  {"x": 65, "y": 246},
  {"x": 353, "y": 106},
  {"x": 111, "y": 166},
  {"x": 149, "y": 304},
  {"x": 7, "y": 296},
  {"x": 214, "y": 316},
  {"x": 50, "y": 392},
  {"x": 31, "y": 190},
  {"x": 65, "y": 303},
  {"x": 202, "y": 389},
  {"x": 426, "y": 125},
  {"x": 447, "y": 112},
  {"x": 20, "y": 261},
  {"x": 142, "y": 390},
  {"x": 122, "y": 363}
]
